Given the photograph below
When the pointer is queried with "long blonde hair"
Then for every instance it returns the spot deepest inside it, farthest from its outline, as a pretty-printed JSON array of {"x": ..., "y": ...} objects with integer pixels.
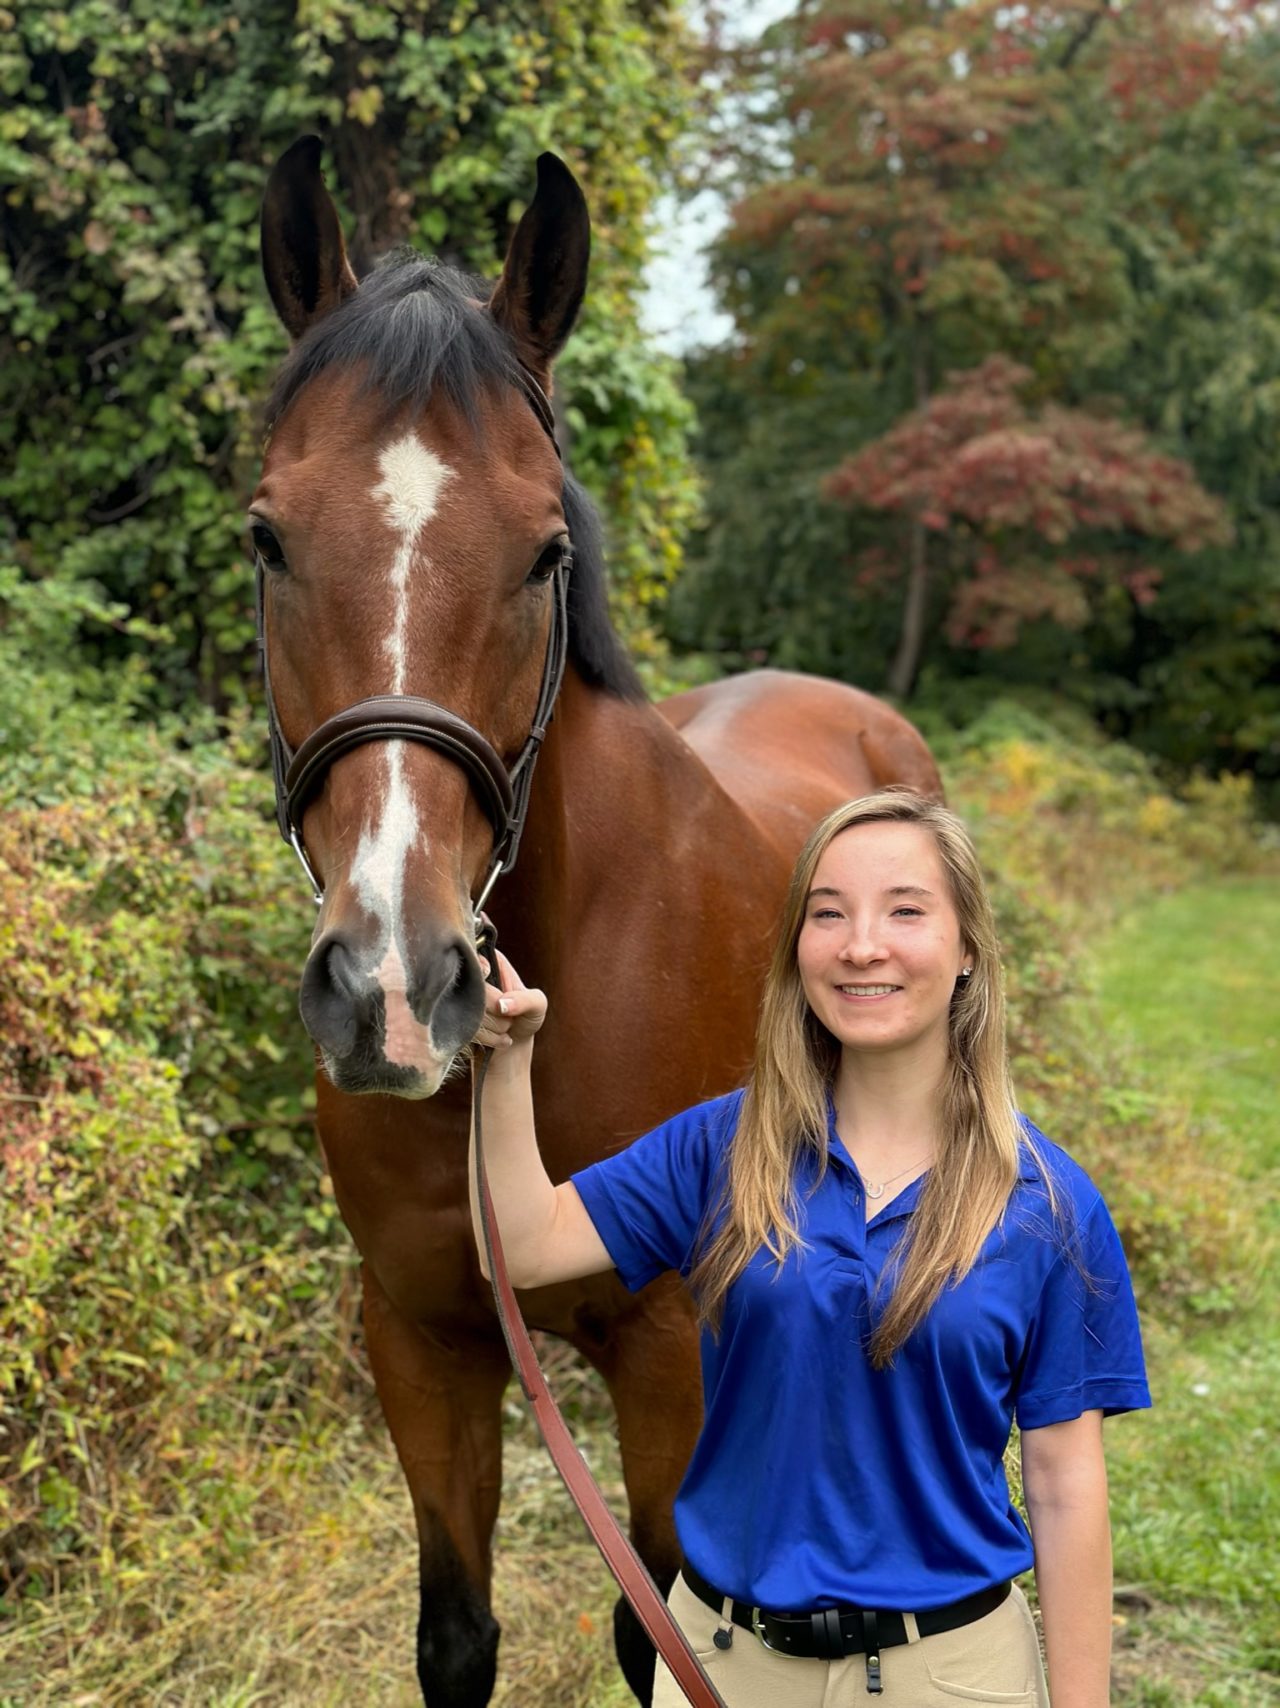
[{"x": 784, "y": 1111}]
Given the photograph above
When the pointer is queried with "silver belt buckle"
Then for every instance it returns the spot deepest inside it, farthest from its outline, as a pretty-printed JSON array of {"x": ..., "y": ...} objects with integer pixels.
[{"x": 758, "y": 1628}]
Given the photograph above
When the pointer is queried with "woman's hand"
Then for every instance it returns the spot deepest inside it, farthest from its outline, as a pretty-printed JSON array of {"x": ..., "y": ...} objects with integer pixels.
[{"x": 513, "y": 1014}]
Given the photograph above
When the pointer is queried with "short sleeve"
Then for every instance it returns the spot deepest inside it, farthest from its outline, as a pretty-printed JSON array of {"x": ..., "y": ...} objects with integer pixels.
[
  {"x": 648, "y": 1201},
  {"x": 1084, "y": 1346}
]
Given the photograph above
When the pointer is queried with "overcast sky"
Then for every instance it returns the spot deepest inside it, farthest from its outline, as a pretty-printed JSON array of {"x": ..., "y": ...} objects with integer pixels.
[{"x": 677, "y": 309}]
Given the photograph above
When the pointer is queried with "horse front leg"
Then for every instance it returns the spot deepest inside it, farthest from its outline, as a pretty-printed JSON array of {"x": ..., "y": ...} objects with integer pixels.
[
  {"x": 441, "y": 1394},
  {"x": 649, "y": 1360}
]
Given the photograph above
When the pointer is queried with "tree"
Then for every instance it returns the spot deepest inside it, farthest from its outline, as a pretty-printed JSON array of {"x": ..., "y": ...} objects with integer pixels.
[
  {"x": 1180, "y": 129},
  {"x": 916, "y": 232},
  {"x": 137, "y": 336},
  {"x": 1030, "y": 505}
]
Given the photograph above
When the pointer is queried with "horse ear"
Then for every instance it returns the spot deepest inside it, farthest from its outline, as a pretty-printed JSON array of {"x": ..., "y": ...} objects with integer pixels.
[
  {"x": 303, "y": 255},
  {"x": 545, "y": 277}
]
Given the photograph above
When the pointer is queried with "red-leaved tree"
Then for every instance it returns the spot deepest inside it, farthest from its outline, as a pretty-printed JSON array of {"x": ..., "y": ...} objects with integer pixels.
[
  {"x": 1026, "y": 506},
  {"x": 918, "y": 200}
]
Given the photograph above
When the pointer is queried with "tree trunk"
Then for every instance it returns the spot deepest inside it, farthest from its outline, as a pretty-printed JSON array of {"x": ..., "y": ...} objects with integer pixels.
[{"x": 906, "y": 663}]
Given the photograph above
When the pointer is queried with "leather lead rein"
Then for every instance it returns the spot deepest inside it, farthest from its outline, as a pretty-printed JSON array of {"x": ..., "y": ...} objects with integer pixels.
[
  {"x": 504, "y": 796},
  {"x": 629, "y": 1570}
]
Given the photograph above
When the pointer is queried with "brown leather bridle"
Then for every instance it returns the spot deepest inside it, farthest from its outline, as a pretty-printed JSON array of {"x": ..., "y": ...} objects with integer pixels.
[{"x": 503, "y": 793}]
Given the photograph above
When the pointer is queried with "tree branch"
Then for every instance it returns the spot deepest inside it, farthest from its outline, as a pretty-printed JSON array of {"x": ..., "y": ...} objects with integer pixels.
[{"x": 1082, "y": 36}]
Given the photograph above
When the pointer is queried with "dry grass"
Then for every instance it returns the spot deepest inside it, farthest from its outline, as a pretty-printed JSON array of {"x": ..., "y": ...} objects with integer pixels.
[{"x": 320, "y": 1611}]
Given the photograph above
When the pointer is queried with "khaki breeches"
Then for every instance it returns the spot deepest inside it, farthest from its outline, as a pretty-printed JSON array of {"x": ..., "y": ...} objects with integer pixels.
[{"x": 992, "y": 1663}]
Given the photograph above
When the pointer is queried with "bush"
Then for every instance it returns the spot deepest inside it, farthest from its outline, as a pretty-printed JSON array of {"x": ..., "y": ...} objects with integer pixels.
[
  {"x": 1090, "y": 823},
  {"x": 170, "y": 1264},
  {"x": 136, "y": 335}
]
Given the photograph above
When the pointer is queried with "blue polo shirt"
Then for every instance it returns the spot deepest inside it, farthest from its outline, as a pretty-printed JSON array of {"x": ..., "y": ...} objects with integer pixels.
[{"x": 818, "y": 1479}]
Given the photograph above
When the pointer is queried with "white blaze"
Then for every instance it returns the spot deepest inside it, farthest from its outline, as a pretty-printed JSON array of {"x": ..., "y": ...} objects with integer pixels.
[{"x": 413, "y": 478}]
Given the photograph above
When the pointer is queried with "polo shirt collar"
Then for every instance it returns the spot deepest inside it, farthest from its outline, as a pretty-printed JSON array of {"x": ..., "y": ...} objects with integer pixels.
[
  {"x": 1028, "y": 1168},
  {"x": 836, "y": 1149}
]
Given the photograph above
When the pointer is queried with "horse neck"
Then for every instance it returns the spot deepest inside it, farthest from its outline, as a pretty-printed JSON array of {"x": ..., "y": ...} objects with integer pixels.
[{"x": 614, "y": 782}]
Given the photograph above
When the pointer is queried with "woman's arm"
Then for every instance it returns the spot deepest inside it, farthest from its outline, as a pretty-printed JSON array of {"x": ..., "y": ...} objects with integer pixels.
[
  {"x": 1064, "y": 1477},
  {"x": 547, "y": 1235}
]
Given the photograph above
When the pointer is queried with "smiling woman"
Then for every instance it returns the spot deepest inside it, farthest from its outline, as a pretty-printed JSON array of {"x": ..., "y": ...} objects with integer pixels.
[
  {"x": 890, "y": 1264},
  {"x": 885, "y": 1008}
]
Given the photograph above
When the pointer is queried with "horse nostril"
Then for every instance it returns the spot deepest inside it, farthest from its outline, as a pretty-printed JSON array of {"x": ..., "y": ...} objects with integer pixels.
[
  {"x": 342, "y": 973},
  {"x": 458, "y": 1011},
  {"x": 330, "y": 996}
]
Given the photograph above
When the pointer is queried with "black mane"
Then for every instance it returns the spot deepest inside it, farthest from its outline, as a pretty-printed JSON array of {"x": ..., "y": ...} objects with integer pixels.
[{"x": 412, "y": 327}]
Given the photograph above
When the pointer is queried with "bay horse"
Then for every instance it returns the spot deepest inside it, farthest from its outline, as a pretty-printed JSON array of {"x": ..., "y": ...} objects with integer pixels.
[{"x": 411, "y": 516}]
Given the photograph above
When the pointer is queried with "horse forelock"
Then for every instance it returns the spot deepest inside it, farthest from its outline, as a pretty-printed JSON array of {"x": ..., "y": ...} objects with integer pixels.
[
  {"x": 412, "y": 327},
  {"x": 413, "y": 330}
]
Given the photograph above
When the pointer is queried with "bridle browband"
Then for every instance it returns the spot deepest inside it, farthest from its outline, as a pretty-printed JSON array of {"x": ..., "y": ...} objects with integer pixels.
[{"x": 502, "y": 791}]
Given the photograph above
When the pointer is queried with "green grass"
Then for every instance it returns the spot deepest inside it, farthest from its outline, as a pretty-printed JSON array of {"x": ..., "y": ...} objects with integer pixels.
[
  {"x": 1192, "y": 980},
  {"x": 1189, "y": 980}
]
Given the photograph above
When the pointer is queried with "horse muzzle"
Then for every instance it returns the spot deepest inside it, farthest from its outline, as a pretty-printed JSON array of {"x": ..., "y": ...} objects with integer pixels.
[{"x": 384, "y": 1023}]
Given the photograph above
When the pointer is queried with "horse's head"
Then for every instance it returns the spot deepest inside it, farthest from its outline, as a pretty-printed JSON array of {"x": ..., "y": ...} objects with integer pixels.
[{"x": 408, "y": 525}]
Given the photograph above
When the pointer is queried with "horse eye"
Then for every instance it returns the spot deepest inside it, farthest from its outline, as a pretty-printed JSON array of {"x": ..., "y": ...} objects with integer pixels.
[
  {"x": 549, "y": 561},
  {"x": 266, "y": 546}
]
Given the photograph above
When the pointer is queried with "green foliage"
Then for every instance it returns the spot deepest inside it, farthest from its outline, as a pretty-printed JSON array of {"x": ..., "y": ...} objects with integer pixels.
[
  {"x": 138, "y": 337},
  {"x": 773, "y": 571},
  {"x": 630, "y": 425},
  {"x": 1194, "y": 677}
]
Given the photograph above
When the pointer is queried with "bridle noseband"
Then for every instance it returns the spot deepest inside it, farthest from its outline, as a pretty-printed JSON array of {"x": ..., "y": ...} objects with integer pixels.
[{"x": 502, "y": 793}]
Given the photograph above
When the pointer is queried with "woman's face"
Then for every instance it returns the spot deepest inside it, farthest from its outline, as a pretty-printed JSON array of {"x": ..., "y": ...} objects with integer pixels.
[{"x": 880, "y": 946}]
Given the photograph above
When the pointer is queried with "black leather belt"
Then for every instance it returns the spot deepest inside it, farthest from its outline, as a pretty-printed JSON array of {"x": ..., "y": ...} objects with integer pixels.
[{"x": 831, "y": 1633}]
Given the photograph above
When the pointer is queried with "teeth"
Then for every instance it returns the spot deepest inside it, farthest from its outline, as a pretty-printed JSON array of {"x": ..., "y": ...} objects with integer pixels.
[{"x": 868, "y": 989}]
